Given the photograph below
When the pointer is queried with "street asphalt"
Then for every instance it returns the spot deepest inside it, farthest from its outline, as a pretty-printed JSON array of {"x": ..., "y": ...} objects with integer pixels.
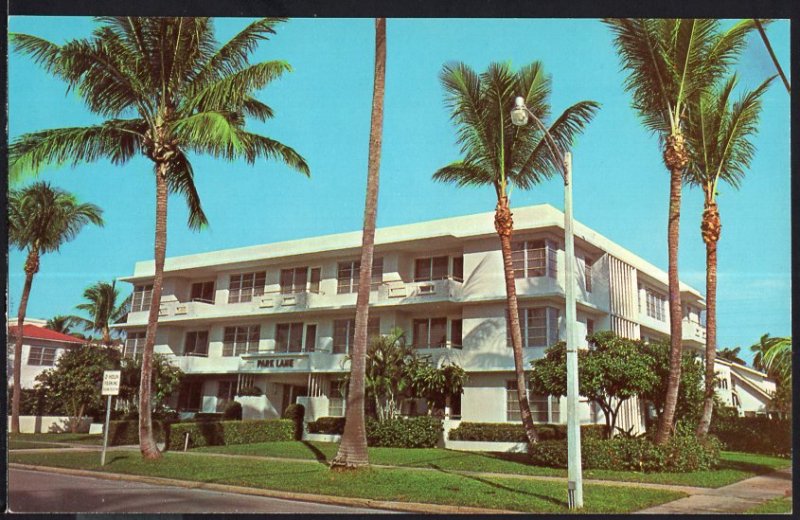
[{"x": 40, "y": 491}]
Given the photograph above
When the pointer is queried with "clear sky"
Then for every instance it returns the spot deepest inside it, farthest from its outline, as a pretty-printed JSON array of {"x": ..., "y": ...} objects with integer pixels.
[{"x": 323, "y": 109}]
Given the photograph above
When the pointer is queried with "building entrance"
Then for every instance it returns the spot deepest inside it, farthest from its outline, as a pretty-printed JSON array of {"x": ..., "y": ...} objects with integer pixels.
[{"x": 290, "y": 395}]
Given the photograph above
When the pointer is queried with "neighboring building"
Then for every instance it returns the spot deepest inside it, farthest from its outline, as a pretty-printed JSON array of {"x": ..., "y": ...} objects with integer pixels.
[
  {"x": 743, "y": 388},
  {"x": 280, "y": 316},
  {"x": 41, "y": 347}
]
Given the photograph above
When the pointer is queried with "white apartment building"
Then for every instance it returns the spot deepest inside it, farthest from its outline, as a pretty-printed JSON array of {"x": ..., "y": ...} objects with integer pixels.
[{"x": 280, "y": 316}]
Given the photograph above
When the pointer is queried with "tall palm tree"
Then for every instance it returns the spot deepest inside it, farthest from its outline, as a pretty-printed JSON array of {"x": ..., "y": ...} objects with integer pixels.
[
  {"x": 167, "y": 89},
  {"x": 719, "y": 134},
  {"x": 670, "y": 62},
  {"x": 353, "y": 447},
  {"x": 41, "y": 219},
  {"x": 60, "y": 323},
  {"x": 502, "y": 155},
  {"x": 731, "y": 354},
  {"x": 760, "y": 350},
  {"x": 778, "y": 359},
  {"x": 102, "y": 307}
]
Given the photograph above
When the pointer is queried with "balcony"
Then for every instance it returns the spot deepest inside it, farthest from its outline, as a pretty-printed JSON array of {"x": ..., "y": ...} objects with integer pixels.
[
  {"x": 693, "y": 332},
  {"x": 448, "y": 289}
]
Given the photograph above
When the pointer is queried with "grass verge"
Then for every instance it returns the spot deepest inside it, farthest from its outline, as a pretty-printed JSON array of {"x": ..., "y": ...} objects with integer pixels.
[
  {"x": 31, "y": 445},
  {"x": 774, "y": 506},
  {"x": 734, "y": 467},
  {"x": 73, "y": 438},
  {"x": 437, "y": 487}
]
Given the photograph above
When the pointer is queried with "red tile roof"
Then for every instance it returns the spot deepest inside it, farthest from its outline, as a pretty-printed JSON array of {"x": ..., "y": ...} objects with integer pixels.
[{"x": 32, "y": 331}]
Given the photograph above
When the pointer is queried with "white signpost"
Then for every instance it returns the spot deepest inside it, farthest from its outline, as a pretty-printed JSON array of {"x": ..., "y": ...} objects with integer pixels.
[{"x": 111, "y": 379}]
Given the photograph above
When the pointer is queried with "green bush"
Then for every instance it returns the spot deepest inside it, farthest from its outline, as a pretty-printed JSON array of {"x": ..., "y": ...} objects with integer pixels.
[
  {"x": 233, "y": 411},
  {"x": 412, "y": 432},
  {"x": 513, "y": 432},
  {"x": 328, "y": 425},
  {"x": 754, "y": 434},
  {"x": 226, "y": 433},
  {"x": 296, "y": 413},
  {"x": 121, "y": 433},
  {"x": 207, "y": 416},
  {"x": 681, "y": 454}
]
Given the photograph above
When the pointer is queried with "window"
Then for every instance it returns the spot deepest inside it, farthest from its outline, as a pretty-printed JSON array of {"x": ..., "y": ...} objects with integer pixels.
[
  {"x": 313, "y": 285},
  {"x": 430, "y": 333},
  {"x": 587, "y": 273},
  {"x": 142, "y": 295},
  {"x": 544, "y": 408},
  {"x": 311, "y": 337},
  {"x": 226, "y": 391},
  {"x": 244, "y": 287},
  {"x": 344, "y": 333},
  {"x": 429, "y": 269},
  {"x": 534, "y": 258},
  {"x": 589, "y": 327},
  {"x": 656, "y": 304},
  {"x": 240, "y": 340},
  {"x": 458, "y": 268},
  {"x": 539, "y": 326},
  {"x": 336, "y": 400},
  {"x": 294, "y": 280},
  {"x": 196, "y": 343},
  {"x": 289, "y": 337},
  {"x": 191, "y": 396},
  {"x": 134, "y": 344},
  {"x": 202, "y": 292},
  {"x": 42, "y": 356},
  {"x": 455, "y": 334},
  {"x": 348, "y": 275}
]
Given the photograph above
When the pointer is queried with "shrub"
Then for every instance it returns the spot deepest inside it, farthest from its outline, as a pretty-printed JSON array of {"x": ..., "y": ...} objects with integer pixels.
[
  {"x": 513, "y": 432},
  {"x": 250, "y": 390},
  {"x": 682, "y": 453},
  {"x": 412, "y": 432},
  {"x": 232, "y": 412},
  {"x": 207, "y": 416},
  {"x": 226, "y": 433},
  {"x": 329, "y": 425},
  {"x": 296, "y": 413},
  {"x": 754, "y": 434},
  {"x": 121, "y": 433}
]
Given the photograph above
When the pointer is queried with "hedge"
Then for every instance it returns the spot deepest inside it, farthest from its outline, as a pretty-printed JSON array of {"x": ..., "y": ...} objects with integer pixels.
[
  {"x": 233, "y": 411},
  {"x": 295, "y": 413},
  {"x": 412, "y": 432},
  {"x": 329, "y": 425},
  {"x": 513, "y": 432},
  {"x": 225, "y": 433},
  {"x": 682, "y": 453},
  {"x": 754, "y": 434},
  {"x": 121, "y": 433}
]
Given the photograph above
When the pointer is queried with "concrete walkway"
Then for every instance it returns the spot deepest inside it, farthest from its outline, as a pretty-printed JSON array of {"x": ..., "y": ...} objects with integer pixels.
[{"x": 735, "y": 498}]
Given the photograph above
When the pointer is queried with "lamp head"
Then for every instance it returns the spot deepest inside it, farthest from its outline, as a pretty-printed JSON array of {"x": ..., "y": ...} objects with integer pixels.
[{"x": 519, "y": 114}]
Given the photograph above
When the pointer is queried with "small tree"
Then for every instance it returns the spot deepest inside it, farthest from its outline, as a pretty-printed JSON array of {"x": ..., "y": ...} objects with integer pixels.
[
  {"x": 611, "y": 371},
  {"x": 166, "y": 380},
  {"x": 76, "y": 380},
  {"x": 438, "y": 384}
]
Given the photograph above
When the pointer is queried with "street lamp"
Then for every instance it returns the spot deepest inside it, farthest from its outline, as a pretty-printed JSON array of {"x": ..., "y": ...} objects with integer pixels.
[{"x": 519, "y": 117}]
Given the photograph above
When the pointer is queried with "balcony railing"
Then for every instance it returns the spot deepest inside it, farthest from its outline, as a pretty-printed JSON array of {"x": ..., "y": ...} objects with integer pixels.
[
  {"x": 445, "y": 289},
  {"x": 693, "y": 331}
]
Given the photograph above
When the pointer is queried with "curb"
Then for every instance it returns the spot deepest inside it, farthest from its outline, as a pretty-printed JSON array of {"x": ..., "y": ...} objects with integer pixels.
[{"x": 406, "y": 507}]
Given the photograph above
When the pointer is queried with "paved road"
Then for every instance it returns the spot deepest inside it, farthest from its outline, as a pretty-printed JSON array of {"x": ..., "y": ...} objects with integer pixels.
[{"x": 38, "y": 491}]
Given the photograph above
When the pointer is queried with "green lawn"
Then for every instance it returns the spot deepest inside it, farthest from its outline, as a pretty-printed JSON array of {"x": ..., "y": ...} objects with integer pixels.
[
  {"x": 439, "y": 487},
  {"x": 774, "y": 506},
  {"x": 31, "y": 445},
  {"x": 74, "y": 438},
  {"x": 735, "y": 466}
]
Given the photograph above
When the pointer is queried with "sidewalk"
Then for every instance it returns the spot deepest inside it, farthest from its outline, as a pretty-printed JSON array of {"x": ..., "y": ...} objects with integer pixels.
[{"x": 735, "y": 498}]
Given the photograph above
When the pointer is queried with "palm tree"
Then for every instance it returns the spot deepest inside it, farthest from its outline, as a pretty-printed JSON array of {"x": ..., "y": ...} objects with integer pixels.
[
  {"x": 167, "y": 89},
  {"x": 502, "y": 155},
  {"x": 760, "y": 26},
  {"x": 670, "y": 62},
  {"x": 41, "y": 219},
  {"x": 731, "y": 354},
  {"x": 60, "y": 323},
  {"x": 719, "y": 134},
  {"x": 353, "y": 447},
  {"x": 778, "y": 359},
  {"x": 760, "y": 350},
  {"x": 102, "y": 307}
]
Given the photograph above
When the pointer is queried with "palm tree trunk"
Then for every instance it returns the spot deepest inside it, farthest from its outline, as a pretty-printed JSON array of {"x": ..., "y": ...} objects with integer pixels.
[
  {"x": 676, "y": 158},
  {"x": 147, "y": 444},
  {"x": 711, "y": 228},
  {"x": 353, "y": 448},
  {"x": 31, "y": 268},
  {"x": 504, "y": 225}
]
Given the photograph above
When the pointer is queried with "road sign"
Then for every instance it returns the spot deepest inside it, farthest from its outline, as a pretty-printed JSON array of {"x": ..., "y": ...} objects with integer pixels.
[{"x": 111, "y": 379}]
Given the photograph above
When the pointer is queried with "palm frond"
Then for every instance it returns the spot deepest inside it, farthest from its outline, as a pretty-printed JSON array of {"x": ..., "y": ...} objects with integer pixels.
[
  {"x": 42, "y": 52},
  {"x": 256, "y": 146},
  {"x": 234, "y": 90},
  {"x": 255, "y": 108},
  {"x": 464, "y": 98},
  {"x": 210, "y": 132},
  {"x": 180, "y": 179},
  {"x": 463, "y": 174}
]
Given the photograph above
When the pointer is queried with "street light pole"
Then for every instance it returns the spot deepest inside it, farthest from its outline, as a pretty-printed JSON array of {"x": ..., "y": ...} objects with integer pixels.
[{"x": 519, "y": 117}]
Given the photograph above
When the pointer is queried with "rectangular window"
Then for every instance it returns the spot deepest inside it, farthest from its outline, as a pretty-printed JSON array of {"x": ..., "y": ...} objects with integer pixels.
[
  {"x": 455, "y": 334},
  {"x": 430, "y": 333},
  {"x": 134, "y": 344},
  {"x": 226, "y": 391},
  {"x": 458, "y": 268},
  {"x": 240, "y": 340},
  {"x": 190, "y": 398},
  {"x": 311, "y": 337},
  {"x": 348, "y": 274},
  {"x": 289, "y": 337},
  {"x": 589, "y": 327},
  {"x": 344, "y": 333},
  {"x": 42, "y": 356},
  {"x": 538, "y": 325},
  {"x": 431, "y": 268},
  {"x": 142, "y": 295},
  {"x": 244, "y": 287},
  {"x": 294, "y": 280},
  {"x": 313, "y": 284},
  {"x": 656, "y": 303},
  {"x": 336, "y": 399},
  {"x": 196, "y": 343},
  {"x": 202, "y": 292},
  {"x": 532, "y": 258},
  {"x": 544, "y": 408},
  {"x": 587, "y": 273}
]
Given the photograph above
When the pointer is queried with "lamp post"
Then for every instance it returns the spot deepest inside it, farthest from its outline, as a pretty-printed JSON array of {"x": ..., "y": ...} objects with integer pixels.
[{"x": 519, "y": 117}]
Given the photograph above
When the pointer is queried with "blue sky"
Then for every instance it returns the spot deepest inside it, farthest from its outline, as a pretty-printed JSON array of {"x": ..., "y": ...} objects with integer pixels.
[{"x": 322, "y": 110}]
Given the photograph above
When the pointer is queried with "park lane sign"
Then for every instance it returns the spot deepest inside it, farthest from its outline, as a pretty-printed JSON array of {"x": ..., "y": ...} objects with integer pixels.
[{"x": 111, "y": 379}]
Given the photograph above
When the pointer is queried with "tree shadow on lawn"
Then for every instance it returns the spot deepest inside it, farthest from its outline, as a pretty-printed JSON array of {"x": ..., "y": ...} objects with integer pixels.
[
  {"x": 318, "y": 454},
  {"x": 497, "y": 485},
  {"x": 750, "y": 467}
]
